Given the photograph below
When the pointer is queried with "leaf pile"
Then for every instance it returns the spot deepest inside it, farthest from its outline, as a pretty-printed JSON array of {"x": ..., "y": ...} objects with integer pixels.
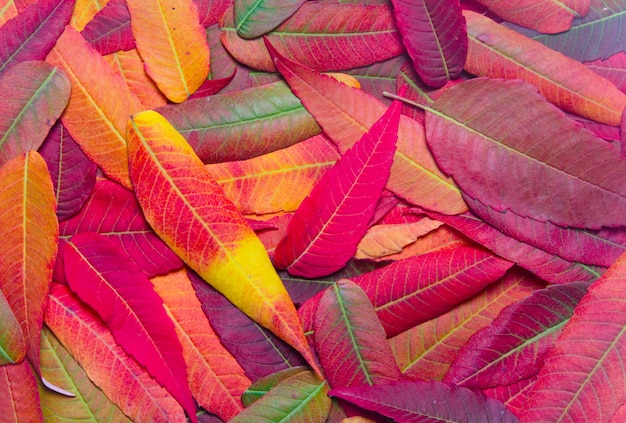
[{"x": 312, "y": 211}]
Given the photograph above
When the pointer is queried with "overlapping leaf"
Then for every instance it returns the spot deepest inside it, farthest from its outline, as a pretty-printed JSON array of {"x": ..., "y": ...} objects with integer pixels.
[
  {"x": 302, "y": 398},
  {"x": 19, "y": 398},
  {"x": 346, "y": 114},
  {"x": 84, "y": 11},
  {"x": 109, "y": 30},
  {"x": 12, "y": 342},
  {"x": 30, "y": 231},
  {"x": 613, "y": 69},
  {"x": 172, "y": 44},
  {"x": 190, "y": 212},
  {"x": 254, "y": 18},
  {"x": 434, "y": 35},
  {"x": 93, "y": 347},
  {"x": 277, "y": 181},
  {"x": 100, "y": 274},
  {"x": 73, "y": 174},
  {"x": 349, "y": 339},
  {"x": 323, "y": 35},
  {"x": 499, "y": 52},
  {"x": 8, "y": 10},
  {"x": 33, "y": 95},
  {"x": 325, "y": 231},
  {"x": 548, "y": 17},
  {"x": 256, "y": 349},
  {"x": 593, "y": 343},
  {"x": 32, "y": 34},
  {"x": 513, "y": 396},
  {"x": 419, "y": 288},
  {"x": 242, "y": 124},
  {"x": 514, "y": 345},
  {"x": 63, "y": 371},
  {"x": 216, "y": 380},
  {"x": 99, "y": 106},
  {"x": 596, "y": 36},
  {"x": 114, "y": 213},
  {"x": 540, "y": 161},
  {"x": 263, "y": 385},
  {"x": 426, "y": 351},
  {"x": 427, "y": 402}
]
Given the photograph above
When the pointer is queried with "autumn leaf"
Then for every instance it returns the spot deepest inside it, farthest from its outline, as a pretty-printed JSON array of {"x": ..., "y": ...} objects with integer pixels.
[
  {"x": 109, "y": 30},
  {"x": 19, "y": 397},
  {"x": 12, "y": 342},
  {"x": 255, "y": 18}
]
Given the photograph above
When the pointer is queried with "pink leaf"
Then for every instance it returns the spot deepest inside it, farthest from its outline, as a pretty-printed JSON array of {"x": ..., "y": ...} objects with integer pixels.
[{"x": 109, "y": 30}]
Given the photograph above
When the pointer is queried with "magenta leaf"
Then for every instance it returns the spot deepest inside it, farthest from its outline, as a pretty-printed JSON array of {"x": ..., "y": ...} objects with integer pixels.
[
  {"x": 349, "y": 339},
  {"x": 435, "y": 37},
  {"x": 427, "y": 402},
  {"x": 32, "y": 34},
  {"x": 514, "y": 345},
  {"x": 73, "y": 174},
  {"x": 324, "y": 232},
  {"x": 104, "y": 278},
  {"x": 411, "y": 291},
  {"x": 513, "y": 396},
  {"x": 109, "y": 30}
]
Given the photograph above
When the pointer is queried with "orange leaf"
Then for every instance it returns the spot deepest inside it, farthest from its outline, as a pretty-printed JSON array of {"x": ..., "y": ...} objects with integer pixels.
[
  {"x": 119, "y": 376},
  {"x": 29, "y": 231},
  {"x": 189, "y": 211},
  {"x": 499, "y": 52},
  {"x": 172, "y": 43},
  {"x": 99, "y": 106},
  {"x": 19, "y": 398},
  {"x": 12, "y": 342},
  {"x": 277, "y": 181},
  {"x": 215, "y": 378},
  {"x": 7, "y": 10},
  {"x": 84, "y": 10}
]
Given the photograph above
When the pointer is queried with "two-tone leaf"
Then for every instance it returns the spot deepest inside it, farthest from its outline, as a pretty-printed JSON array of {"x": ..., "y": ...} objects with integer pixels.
[
  {"x": 12, "y": 342},
  {"x": 109, "y": 30},
  {"x": 189, "y": 211},
  {"x": 19, "y": 397},
  {"x": 254, "y": 18},
  {"x": 30, "y": 232}
]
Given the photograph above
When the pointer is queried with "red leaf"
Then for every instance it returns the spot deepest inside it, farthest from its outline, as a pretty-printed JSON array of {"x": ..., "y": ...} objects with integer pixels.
[
  {"x": 324, "y": 232},
  {"x": 427, "y": 402},
  {"x": 350, "y": 341},
  {"x": 114, "y": 213},
  {"x": 210, "y": 11},
  {"x": 435, "y": 37},
  {"x": 19, "y": 397},
  {"x": 212, "y": 86},
  {"x": 583, "y": 376},
  {"x": 513, "y": 396},
  {"x": 32, "y": 34},
  {"x": 109, "y": 30},
  {"x": 72, "y": 173},
  {"x": 414, "y": 290},
  {"x": 101, "y": 276},
  {"x": 541, "y": 164},
  {"x": 514, "y": 345}
]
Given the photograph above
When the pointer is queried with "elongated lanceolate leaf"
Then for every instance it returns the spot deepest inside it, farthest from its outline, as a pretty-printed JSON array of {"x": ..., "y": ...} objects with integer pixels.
[
  {"x": 63, "y": 371},
  {"x": 341, "y": 112},
  {"x": 33, "y": 96},
  {"x": 114, "y": 213},
  {"x": 302, "y": 398},
  {"x": 29, "y": 228},
  {"x": 215, "y": 378},
  {"x": 119, "y": 376},
  {"x": 414, "y": 290},
  {"x": 263, "y": 385},
  {"x": 326, "y": 229},
  {"x": 99, "y": 106},
  {"x": 254, "y": 18},
  {"x": 540, "y": 164},
  {"x": 548, "y": 17},
  {"x": 277, "y": 181},
  {"x": 32, "y": 34},
  {"x": 242, "y": 124},
  {"x": 600, "y": 248},
  {"x": 498, "y": 52},
  {"x": 190, "y": 212},
  {"x": 12, "y": 342},
  {"x": 427, "y": 350},
  {"x": 73, "y": 174},
  {"x": 109, "y": 30},
  {"x": 427, "y": 402},
  {"x": 598, "y": 35},
  {"x": 349, "y": 339},
  {"x": 515, "y": 344},
  {"x": 435, "y": 38},
  {"x": 125, "y": 300},
  {"x": 19, "y": 398},
  {"x": 172, "y": 43},
  {"x": 325, "y": 36},
  {"x": 592, "y": 343},
  {"x": 256, "y": 349}
]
